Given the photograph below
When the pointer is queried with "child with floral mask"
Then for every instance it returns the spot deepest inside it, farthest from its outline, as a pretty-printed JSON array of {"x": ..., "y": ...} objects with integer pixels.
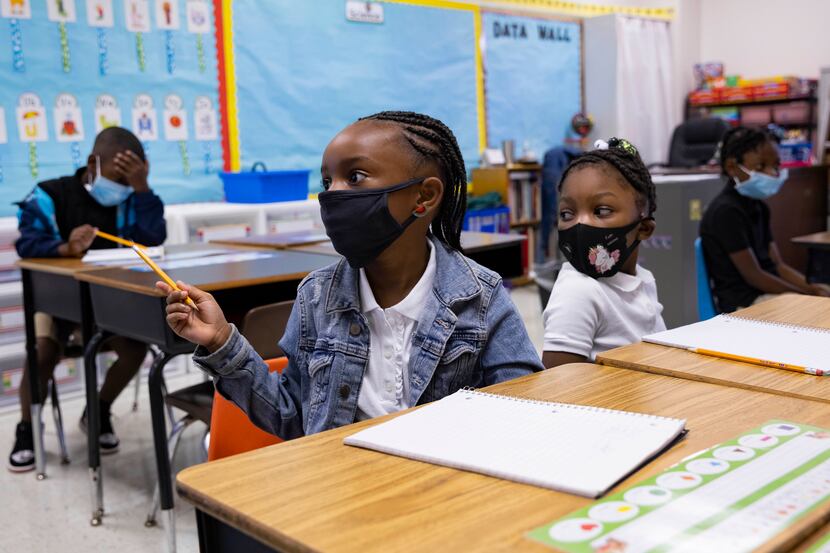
[
  {"x": 403, "y": 319},
  {"x": 602, "y": 298},
  {"x": 743, "y": 262}
]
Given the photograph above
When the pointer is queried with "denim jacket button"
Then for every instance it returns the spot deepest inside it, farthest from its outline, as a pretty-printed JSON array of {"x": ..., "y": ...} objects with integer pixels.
[
  {"x": 354, "y": 329},
  {"x": 344, "y": 391}
]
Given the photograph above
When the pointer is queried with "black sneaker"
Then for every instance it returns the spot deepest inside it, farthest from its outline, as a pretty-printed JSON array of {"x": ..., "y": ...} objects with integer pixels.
[
  {"x": 107, "y": 440},
  {"x": 22, "y": 457}
]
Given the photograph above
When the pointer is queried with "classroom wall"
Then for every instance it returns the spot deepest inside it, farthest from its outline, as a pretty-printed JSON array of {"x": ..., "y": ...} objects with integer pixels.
[{"x": 758, "y": 38}]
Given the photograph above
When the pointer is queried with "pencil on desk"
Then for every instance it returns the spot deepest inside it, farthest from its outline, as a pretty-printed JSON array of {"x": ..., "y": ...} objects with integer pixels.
[
  {"x": 162, "y": 274},
  {"x": 118, "y": 239},
  {"x": 775, "y": 364}
]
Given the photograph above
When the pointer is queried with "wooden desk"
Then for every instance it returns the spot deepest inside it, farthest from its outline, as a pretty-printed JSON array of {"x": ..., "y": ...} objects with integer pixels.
[
  {"x": 818, "y": 240},
  {"x": 126, "y": 303},
  {"x": 50, "y": 287},
  {"x": 818, "y": 255},
  {"x": 279, "y": 241},
  {"x": 501, "y": 253},
  {"x": 789, "y": 309},
  {"x": 314, "y": 493}
]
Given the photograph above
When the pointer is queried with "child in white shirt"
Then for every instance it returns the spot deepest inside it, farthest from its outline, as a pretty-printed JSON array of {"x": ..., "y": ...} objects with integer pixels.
[{"x": 602, "y": 298}]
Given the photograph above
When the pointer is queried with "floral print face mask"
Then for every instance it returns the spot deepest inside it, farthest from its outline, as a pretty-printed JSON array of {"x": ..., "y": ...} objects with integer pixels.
[{"x": 595, "y": 251}]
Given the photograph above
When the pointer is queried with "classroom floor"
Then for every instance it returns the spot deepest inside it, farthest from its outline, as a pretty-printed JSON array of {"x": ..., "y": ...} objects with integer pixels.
[{"x": 53, "y": 515}]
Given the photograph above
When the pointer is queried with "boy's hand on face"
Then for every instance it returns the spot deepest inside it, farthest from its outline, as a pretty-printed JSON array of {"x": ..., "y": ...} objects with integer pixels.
[
  {"x": 132, "y": 170},
  {"x": 80, "y": 239}
]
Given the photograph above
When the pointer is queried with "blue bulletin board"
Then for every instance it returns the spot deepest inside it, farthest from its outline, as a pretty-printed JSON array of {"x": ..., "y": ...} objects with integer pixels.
[
  {"x": 533, "y": 79},
  {"x": 69, "y": 65},
  {"x": 304, "y": 72}
]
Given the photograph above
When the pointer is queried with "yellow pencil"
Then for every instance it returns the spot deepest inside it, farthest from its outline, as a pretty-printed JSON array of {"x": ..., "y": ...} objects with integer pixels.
[
  {"x": 775, "y": 364},
  {"x": 162, "y": 274},
  {"x": 118, "y": 239}
]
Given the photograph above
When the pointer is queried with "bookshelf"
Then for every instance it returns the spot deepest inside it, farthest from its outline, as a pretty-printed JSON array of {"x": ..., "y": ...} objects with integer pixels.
[{"x": 519, "y": 187}]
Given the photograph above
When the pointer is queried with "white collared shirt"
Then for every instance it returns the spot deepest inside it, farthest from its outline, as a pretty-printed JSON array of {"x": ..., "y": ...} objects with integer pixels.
[
  {"x": 385, "y": 386},
  {"x": 588, "y": 315}
]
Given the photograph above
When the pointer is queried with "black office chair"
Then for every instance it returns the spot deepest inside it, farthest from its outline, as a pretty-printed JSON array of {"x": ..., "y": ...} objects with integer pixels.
[{"x": 695, "y": 142}]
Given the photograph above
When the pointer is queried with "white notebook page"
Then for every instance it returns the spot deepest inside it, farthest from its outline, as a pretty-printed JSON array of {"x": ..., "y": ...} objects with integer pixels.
[
  {"x": 762, "y": 340},
  {"x": 571, "y": 448}
]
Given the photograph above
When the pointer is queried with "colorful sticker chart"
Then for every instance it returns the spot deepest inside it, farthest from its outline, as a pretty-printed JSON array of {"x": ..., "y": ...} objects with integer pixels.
[
  {"x": 732, "y": 497},
  {"x": 821, "y": 546}
]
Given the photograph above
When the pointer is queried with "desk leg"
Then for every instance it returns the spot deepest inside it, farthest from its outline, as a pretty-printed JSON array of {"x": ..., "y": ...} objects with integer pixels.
[
  {"x": 34, "y": 377},
  {"x": 93, "y": 423},
  {"x": 156, "y": 384}
]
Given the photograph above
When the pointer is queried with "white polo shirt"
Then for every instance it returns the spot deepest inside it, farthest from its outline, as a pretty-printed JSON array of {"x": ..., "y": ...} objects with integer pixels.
[
  {"x": 385, "y": 386},
  {"x": 587, "y": 316}
]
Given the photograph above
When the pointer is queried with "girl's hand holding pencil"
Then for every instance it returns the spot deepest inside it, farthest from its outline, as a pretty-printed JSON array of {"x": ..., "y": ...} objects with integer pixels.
[{"x": 205, "y": 325}]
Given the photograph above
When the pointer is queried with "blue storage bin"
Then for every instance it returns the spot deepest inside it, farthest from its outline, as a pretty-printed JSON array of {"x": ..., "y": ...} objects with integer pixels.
[
  {"x": 259, "y": 185},
  {"x": 494, "y": 219}
]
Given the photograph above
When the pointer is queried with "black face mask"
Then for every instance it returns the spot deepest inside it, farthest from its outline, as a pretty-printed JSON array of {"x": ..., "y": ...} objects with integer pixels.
[
  {"x": 595, "y": 251},
  {"x": 359, "y": 222}
]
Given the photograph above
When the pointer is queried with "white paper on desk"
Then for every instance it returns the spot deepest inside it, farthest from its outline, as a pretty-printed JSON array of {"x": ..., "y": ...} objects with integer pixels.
[
  {"x": 767, "y": 341},
  {"x": 118, "y": 256},
  {"x": 201, "y": 261},
  {"x": 571, "y": 448}
]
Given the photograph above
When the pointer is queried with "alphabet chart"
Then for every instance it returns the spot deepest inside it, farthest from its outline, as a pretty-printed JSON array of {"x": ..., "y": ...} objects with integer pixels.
[{"x": 730, "y": 498}]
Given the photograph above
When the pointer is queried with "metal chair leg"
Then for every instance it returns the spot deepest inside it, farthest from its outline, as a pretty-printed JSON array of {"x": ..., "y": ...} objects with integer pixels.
[
  {"x": 206, "y": 441},
  {"x": 171, "y": 416},
  {"x": 154, "y": 352},
  {"x": 137, "y": 390},
  {"x": 172, "y": 444},
  {"x": 57, "y": 415}
]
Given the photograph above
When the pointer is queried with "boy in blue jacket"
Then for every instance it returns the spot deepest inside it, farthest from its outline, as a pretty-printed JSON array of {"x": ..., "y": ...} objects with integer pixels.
[{"x": 59, "y": 218}]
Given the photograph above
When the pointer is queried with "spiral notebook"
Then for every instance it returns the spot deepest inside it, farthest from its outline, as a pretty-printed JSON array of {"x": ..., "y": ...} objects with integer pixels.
[
  {"x": 570, "y": 448},
  {"x": 768, "y": 343}
]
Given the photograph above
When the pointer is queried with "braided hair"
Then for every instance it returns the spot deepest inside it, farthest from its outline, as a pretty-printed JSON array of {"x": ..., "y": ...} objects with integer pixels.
[
  {"x": 624, "y": 157},
  {"x": 739, "y": 141},
  {"x": 432, "y": 139}
]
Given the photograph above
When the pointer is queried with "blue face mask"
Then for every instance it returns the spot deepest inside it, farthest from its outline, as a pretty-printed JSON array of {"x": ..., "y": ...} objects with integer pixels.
[
  {"x": 759, "y": 185},
  {"x": 107, "y": 192}
]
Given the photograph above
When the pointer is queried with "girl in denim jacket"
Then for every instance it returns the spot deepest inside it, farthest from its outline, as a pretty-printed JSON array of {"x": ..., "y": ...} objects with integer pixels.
[{"x": 403, "y": 319}]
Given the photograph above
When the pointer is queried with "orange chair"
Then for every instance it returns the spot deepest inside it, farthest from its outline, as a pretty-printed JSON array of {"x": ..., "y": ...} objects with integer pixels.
[{"x": 231, "y": 431}]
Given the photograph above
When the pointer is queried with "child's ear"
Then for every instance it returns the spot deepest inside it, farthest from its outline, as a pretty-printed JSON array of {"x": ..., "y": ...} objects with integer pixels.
[
  {"x": 731, "y": 167},
  {"x": 90, "y": 166},
  {"x": 430, "y": 193},
  {"x": 647, "y": 228}
]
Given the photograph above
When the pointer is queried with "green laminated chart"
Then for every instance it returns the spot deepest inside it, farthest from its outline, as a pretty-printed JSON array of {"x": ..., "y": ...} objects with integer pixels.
[
  {"x": 732, "y": 497},
  {"x": 821, "y": 546}
]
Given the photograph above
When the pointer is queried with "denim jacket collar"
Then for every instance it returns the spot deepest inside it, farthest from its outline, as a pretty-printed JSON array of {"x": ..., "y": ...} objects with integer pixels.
[{"x": 454, "y": 281}]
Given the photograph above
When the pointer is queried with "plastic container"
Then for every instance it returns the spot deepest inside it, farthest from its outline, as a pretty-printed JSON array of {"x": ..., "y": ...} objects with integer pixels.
[
  {"x": 259, "y": 186},
  {"x": 495, "y": 219}
]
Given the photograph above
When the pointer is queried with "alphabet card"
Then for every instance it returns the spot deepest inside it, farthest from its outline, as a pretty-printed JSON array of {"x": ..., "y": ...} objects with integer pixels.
[
  {"x": 145, "y": 120},
  {"x": 107, "y": 113},
  {"x": 167, "y": 14},
  {"x": 61, "y": 10},
  {"x": 206, "y": 119},
  {"x": 17, "y": 9},
  {"x": 31, "y": 118},
  {"x": 69, "y": 125},
  {"x": 198, "y": 16},
  {"x": 99, "y": 13},
  {"x": 137, "y": 14},
  {"x": 175, "y": 119}
]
